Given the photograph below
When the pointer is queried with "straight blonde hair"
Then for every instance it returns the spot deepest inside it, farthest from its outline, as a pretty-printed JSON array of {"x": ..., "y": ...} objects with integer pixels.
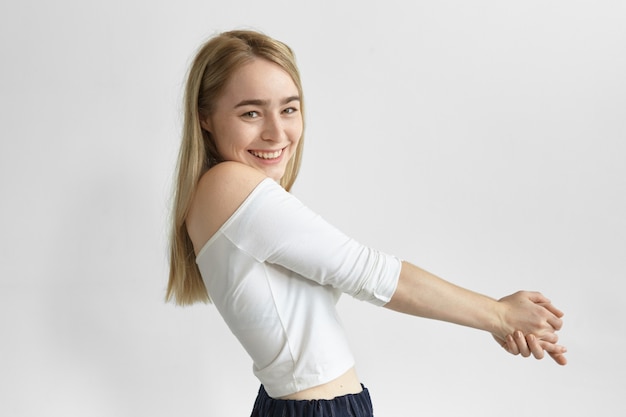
[{"x": 212, "y": 67}]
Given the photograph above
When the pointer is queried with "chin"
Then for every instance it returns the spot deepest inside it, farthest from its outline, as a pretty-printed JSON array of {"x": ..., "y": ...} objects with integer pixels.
[{"x": 275, "y": 172}]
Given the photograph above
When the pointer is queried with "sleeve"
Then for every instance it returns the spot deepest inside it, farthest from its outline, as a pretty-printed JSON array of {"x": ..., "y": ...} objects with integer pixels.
[{"x": 274, "y": 226}]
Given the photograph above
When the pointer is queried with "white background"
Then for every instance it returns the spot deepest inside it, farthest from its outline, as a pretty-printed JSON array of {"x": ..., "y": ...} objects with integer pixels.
[{"x": 482, "y": 140}]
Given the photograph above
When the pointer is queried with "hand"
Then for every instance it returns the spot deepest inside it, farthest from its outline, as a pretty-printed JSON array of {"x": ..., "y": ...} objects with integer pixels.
[
  {"x": 517, "y": 344},
  {"x": 546, "y": 322},
  {"x": 530, "y": 313}
]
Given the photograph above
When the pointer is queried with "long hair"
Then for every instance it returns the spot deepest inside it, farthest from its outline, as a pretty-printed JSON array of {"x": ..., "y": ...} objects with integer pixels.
[{"x": 213, "y": 65}]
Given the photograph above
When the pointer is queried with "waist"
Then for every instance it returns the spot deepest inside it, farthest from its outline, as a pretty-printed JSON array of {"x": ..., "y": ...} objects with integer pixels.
[{"x": 347, "y": 383}]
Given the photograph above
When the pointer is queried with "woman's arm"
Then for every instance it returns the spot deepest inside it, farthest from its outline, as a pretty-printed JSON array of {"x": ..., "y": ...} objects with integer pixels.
[
  {"x": 281, "y": 230},
  {"x": 423, "y": 294}
]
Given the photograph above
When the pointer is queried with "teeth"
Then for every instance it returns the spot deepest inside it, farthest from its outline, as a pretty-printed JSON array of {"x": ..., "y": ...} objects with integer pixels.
[{"x": 267, "y": 155}]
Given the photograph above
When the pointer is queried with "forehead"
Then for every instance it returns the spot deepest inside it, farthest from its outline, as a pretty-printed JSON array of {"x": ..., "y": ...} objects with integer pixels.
[{"x": 259, "y": 79}]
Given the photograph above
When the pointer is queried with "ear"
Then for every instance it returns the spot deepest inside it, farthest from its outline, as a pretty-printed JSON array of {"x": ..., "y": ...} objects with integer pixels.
[{"x": 206, "y": 123}]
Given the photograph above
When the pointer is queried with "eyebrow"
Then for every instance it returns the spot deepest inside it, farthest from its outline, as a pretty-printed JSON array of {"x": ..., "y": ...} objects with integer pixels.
[{"x": 257, "y": 102}]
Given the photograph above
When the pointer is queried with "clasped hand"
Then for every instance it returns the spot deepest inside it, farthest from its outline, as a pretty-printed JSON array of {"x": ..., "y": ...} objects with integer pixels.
[{"x": 529, "y": 323}]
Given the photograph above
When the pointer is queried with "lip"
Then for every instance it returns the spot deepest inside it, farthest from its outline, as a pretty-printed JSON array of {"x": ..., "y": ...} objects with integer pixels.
[{"x": 270, "y": 156}]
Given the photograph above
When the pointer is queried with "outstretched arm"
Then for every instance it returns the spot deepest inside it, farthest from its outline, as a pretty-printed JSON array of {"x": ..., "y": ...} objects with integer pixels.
[{"x": 423, "y": 294}]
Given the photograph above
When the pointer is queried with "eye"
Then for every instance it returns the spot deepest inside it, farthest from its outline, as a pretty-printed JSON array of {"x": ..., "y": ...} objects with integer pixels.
[
  {"x": 290, "y": 110},
  {"x": 252, "y": 114}
]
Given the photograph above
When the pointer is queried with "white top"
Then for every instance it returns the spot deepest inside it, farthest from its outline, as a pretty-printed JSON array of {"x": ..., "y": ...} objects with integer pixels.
[{"x": 275, "y": 271}]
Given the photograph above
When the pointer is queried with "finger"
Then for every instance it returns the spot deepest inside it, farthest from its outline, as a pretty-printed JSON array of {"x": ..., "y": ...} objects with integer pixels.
[
  {"x": 511, "y": 345},
  {"x": 555, "y": 317},
  {"x": 559, "y": 358},
  {"x": 552, "y": 309},
  {"x": 556, "y": 352},
  {"x": 535, "y": 347},
  {"x": 550, "y": 337},
  {"x": 500, "y": 341},
  {"x": 555, "y": 322},
  {"x": 520, "y": 341},
  {"x": 538, "y": 298}
]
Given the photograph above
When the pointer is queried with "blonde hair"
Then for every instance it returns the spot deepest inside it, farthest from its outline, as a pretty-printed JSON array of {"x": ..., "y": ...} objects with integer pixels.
[{"x": 212, "y": 67}]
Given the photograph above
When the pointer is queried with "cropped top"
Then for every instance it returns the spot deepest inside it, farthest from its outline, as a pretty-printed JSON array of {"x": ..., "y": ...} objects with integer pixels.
[{"x": 275, "y": 271}]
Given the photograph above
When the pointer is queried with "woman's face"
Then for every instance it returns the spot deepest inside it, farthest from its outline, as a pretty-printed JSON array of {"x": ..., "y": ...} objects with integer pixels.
[{"x": 257, "y": 119}]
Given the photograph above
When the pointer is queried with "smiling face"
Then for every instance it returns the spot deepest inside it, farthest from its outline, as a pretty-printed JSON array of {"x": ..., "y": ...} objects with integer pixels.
[{"x": 257, "y": 119}]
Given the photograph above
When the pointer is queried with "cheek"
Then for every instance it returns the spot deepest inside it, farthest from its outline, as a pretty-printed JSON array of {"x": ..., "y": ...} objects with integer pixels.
[
  {"x": 295, "y": 131},
  {"x": 231, "y": 141}
]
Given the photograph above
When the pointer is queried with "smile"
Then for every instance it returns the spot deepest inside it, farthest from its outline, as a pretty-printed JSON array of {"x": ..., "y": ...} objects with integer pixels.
[{"x": 267, "y": 155}]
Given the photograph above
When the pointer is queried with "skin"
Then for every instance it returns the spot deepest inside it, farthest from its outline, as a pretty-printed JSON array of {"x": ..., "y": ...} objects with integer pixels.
[
  {"x": 257, "y": 120},
  {"x": 423, "y": 294},
  {"x": 257, "y": 124}
]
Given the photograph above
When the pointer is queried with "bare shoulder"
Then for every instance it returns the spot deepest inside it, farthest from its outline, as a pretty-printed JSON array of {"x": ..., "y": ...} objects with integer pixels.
[
  {"x": 230, "y": 181},
  {"x": 220, "y": 191}
]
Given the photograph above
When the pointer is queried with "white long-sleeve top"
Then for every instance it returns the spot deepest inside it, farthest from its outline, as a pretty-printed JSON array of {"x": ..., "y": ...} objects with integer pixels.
[{"x": 275, "y": 271}]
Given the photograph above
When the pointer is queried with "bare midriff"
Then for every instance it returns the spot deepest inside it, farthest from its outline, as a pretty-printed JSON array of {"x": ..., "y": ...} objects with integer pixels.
[{"x": 347, "y": 383}]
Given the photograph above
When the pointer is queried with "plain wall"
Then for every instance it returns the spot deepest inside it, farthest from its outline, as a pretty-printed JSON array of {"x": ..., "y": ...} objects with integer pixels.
[{"x": 484, "y": 141}]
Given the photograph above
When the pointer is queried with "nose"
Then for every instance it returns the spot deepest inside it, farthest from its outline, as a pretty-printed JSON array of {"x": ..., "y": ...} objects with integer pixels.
[{"x": 272, "y": 129}]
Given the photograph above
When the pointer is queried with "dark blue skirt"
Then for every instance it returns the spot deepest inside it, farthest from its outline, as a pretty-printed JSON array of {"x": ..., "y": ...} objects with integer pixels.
[{"x": 351, "y": 405}]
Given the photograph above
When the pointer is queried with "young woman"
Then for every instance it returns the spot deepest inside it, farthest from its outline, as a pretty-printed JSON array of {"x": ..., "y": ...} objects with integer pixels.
[{"x": 273, "y": 268}]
